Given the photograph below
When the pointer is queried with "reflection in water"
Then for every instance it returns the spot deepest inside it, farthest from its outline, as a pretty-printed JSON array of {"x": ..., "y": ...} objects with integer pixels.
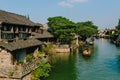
[
  {"x": 87, "y": 58},
  {"x": 103, "y": 64},
  {"x": 64, "y": 69}
]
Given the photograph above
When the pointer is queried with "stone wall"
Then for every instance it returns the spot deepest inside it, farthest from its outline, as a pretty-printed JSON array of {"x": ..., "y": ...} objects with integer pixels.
[
  {"x": 5, "y": 58},
  {"x": 8, "y": 71},
  {"x": 9, "y": 79},
  {"x": 62, "y": 48},
  {"x": 27, "y": 77}
]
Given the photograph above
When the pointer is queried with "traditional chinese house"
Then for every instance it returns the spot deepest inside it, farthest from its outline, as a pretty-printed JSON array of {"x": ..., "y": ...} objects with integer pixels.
[
  {"x": 18, "y": 38},
  {"x": 14, "y": 26}
]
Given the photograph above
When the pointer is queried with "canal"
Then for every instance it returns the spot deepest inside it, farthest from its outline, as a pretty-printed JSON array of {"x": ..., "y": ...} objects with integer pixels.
[{"x": 104, "y": 64}]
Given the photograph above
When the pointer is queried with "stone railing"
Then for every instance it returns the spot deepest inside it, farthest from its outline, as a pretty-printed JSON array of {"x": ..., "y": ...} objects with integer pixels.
[
  {"x": 27, "y": 68},
  {"x": 20, "y": 71}
]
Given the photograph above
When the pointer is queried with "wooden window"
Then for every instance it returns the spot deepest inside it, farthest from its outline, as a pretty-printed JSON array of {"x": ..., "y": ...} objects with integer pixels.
[
  {"x": 24, "y": 28},
  {"x": 5, "y": 28},
  {"x": 23, "y": 35},
  {"x": 33, "y": 29},
  {"x": 21, "y": 29},
  {"x": 7, "y": 36},
  {"x": 9, "y": 28}
]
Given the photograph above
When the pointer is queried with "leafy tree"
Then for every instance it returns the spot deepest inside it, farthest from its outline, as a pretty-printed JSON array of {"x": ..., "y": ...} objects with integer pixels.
[
  {"x": 42, "y": 71},
  {"x": 86, "y": 29},
  {"x": 115, "y": 35},
  {"x": 118, "y": 26},
  {"x": 62, "y": 28},
  {"x": 65, "y": 30}
]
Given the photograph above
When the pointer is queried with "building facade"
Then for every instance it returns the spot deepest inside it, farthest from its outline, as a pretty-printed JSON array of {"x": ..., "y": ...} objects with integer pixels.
[{"x": 19, "y": 37}]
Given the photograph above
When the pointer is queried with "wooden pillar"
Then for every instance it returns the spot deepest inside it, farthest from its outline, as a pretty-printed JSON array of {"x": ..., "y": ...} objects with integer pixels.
[
  {"x": 11, "y": 29},
  {"x": 30, "y": 30},
  {"x": 16, "y": 31},
  {"x": 26, "y": 30}
]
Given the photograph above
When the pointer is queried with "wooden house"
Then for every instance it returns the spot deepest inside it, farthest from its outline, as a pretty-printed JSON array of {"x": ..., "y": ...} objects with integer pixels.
[
  {"x": 18, "y": 38},
  {"x": 14, "y": 26}
]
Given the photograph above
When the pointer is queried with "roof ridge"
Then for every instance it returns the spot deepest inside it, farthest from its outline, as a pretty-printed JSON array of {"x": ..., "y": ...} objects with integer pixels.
[
  {"x": 12, "y": 13},
  {"x": 14, "y": 18}
]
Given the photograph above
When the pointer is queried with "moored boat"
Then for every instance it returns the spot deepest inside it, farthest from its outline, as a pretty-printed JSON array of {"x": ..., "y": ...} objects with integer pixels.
[
  {"x": 86, "y": 52},
  {"x": 91, "y": 42}
]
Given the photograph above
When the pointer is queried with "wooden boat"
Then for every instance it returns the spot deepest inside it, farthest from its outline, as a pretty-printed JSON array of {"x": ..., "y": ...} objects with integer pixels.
[
  {"x": 86, "y": 52},
  {"x": 91, "y": 42}
]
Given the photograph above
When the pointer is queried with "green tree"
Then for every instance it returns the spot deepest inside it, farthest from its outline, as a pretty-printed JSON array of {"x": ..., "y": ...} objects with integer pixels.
[
  {"x": 118, "y": 26},
  {"x": 62, "y": 28},
  {"x": 65, "y": 30},
  {"x": 41, "y": 72},
  {"x": 86, "y": 29}
]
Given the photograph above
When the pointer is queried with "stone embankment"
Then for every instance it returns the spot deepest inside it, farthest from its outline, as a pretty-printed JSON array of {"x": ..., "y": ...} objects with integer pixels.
[{"x": 62, "y": 48}]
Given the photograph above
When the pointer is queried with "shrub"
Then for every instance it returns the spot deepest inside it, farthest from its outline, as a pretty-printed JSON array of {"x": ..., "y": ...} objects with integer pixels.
[
  {"x": 20, "y": 62},
  {"x": 29, "y": 57},
  {"x": 42, "y": 71}
]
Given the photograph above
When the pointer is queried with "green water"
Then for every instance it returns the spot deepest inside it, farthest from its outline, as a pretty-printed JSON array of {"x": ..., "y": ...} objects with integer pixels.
[{"x": 104, "y": 64}]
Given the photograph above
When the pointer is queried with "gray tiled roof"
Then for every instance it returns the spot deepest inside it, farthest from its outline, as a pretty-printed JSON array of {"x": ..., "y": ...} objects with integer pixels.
[
  {"x": 12, "y": 18},
  {"x": 20, "y": 44},
  {"x": 45, "y": 34}
]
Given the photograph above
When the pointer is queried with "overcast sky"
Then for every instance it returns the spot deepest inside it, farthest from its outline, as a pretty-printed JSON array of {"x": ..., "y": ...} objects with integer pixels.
[{"x": 103, "y": 13}]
